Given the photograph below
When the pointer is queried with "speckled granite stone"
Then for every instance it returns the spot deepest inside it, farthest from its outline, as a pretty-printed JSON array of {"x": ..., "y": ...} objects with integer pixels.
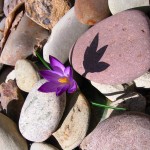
[{"x": 41, "y": 114}]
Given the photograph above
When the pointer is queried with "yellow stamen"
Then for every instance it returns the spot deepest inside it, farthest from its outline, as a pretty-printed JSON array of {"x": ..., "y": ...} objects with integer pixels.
[{"x": 63, "y": 80}]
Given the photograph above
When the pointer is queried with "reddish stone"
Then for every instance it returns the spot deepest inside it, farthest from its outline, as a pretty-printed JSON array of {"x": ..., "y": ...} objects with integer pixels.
[
  {"x": 91, "y": 11},
  {"x": 114, "y": 51}
]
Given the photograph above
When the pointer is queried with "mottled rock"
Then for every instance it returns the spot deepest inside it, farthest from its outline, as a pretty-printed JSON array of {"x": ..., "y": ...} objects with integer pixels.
[
  {"x": 42, "y": 146},
  {"x": 46, "y": 13},
  {"x": 116, "y": 6},
  {"x": 143, "y": 81},
  {"x": 63, "y": 36},
  {"x": 11, "y": 76},
  {"x": 114, "y": 92},
  {"x": 127, "y": 131},
  {"x": 75, "y": 126},
  {"x": 11, "y": 100},
  {"x": 8, "y": 92},
  {"x": 41, "y": 114},
  {"x": 131, "y": 101},
  {"x": 10, "y": 5},
  {"x": 91, "y": 11},
  {"x": 116, "y": 53},
  {"x": 10, "y": 138},
  {"x": 26, "y": 75},
  {"x": 22, "y": 40}
]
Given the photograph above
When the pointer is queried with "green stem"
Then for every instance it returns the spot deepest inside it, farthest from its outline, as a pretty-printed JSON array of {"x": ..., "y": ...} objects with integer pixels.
[
  {"x": 106, "y": 106},
  {"x": 42, "y": 60}
]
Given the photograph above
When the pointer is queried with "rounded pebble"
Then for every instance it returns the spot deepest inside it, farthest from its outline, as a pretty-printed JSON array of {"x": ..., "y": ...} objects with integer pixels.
[
  {"x": 128, "y": 131},
  {"x": 41, "y": 114},
  {"x": 115, "y": 50}
]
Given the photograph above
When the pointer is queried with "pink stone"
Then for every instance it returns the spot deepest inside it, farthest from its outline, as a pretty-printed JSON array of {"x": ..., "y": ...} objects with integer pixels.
[{"x": 114, "y": 51}]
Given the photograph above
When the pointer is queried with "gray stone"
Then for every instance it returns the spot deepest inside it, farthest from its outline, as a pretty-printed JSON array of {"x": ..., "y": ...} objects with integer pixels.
[
  {"x": 41, "y": 114},
  {"x": 114, "y": 92},
  {"x": 10, "y": 138},
  {"x": 116, "y": 6},
  {"x": 42, "y": 146},
  {"x": 143, "y": 81},
  {"x": 63, "y": 36},
  {"x": 26, "y": 75}
]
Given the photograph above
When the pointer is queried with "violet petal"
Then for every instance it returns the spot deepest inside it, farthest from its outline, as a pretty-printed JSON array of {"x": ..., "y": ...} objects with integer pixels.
[
  {"x": 49, "y": 87},
  {"x": 68, "y": 71},
  {"x": 62, "y": 89},
  {"x": 72, "y": 87},
  {"x": 50, "y": 75},
  {"x": 55, "y": 62},
  {"x": 58, "y": 70}
]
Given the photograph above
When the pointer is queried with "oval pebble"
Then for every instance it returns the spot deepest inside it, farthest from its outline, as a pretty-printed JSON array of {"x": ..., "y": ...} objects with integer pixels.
[
  {"x": 116, "y": 6},
  {"x": 41, "y": 114},
  {"x": 115, "y": 50},
  {"x": 75, "y": 126},
  {"x": 63, "y": 36},
  {"x": 26, "y": 75},
  {"x": 126, "y": 132}
]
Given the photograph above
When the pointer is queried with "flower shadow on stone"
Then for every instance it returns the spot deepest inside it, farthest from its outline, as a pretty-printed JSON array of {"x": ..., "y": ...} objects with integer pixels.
[{"x": 92, "y": 58}]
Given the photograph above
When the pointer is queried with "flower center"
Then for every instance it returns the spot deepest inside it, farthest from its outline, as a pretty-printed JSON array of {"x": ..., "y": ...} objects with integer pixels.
[{"x": 63, "y": 80}]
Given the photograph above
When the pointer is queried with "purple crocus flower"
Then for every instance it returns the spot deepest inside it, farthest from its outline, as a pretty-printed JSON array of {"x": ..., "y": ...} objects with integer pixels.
[{"x": 60, "y": 79}]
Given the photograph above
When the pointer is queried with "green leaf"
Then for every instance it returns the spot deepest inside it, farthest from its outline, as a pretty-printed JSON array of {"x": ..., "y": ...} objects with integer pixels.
[
  {"x": 43, "y": 61},
  {"x": 106, "y": 106}
]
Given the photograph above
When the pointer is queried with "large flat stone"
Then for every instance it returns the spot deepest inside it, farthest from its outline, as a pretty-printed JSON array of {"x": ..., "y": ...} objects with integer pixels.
[{"x": 114, "y": 51}]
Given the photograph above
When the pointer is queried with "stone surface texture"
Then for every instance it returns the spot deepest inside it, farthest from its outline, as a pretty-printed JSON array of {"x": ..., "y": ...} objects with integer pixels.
[
  {"x": 114, "y": 51},
  {"x": 75, "y": 126},
  {"x": 91, "y": 11},
  {"x": 41, "y": 114},
  {"x": 143, "y": 81},
  {"x": 132, "y": 102},
  {"x": 116, "y": 6},
  {"x": 10, "y": 138},
  {"x": 21, "y": 42},
  {"x": 63, "y": 36},
  {"x": 26, "y": 75},
  {"x": 127, "y": 131},
  {"x": 114, "y": 92}
]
